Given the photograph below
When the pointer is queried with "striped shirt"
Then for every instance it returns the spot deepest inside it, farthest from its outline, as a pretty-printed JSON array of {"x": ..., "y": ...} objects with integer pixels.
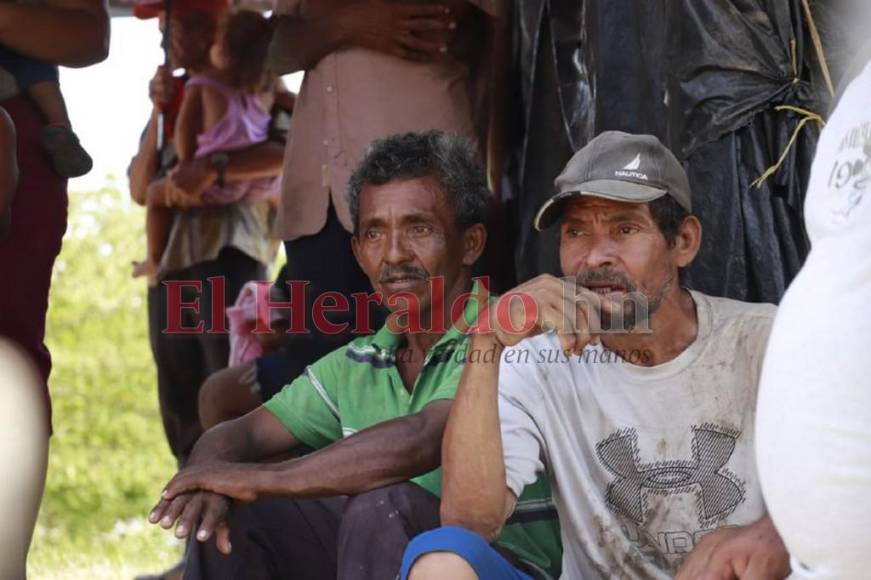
[{"x": 359, "y": 386}]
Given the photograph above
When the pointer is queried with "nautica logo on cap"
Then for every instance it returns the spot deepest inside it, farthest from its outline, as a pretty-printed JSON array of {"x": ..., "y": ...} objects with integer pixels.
[
  {"x": 634, "y": 164},
  {"x": 631, "y": 169}
]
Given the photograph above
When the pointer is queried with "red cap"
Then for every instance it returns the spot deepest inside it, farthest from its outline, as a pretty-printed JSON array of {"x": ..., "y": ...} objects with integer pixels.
[{"x": 152, "y": 9}]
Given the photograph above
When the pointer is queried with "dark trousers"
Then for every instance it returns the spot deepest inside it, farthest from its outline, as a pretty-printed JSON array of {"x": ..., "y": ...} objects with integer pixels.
[
  {"x": 339, "y": 538},
  {"x": 326, "y": 262},
  {"x": 27, "y": 254},
  {"x": 184, "y": 361}
]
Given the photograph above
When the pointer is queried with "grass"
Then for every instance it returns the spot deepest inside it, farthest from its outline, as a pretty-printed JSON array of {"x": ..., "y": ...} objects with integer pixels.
[{"x": 109, "y": 458}]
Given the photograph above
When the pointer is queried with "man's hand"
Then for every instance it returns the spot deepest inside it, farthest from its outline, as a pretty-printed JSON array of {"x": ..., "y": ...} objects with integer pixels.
[
  {"x": 412, "y": 31},
  {"x": 548, "y": 303},
  {"x": 753, "y": 552},
  {"x": 188, "y": 180},
  {"x": 161, "y": 87},
  {"x": 233, "y": 480},
  {"x": 205, "y": 512}
]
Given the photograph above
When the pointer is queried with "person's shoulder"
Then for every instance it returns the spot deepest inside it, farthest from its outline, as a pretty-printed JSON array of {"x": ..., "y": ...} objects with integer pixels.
[
  {"x": 364, "y": 349},
  {"x": 747, "y": 321},
  {"x": 728, "y": 309}
]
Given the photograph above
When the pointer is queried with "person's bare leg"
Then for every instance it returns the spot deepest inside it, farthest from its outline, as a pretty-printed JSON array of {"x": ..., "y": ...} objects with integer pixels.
[
  {"x": 440, "y": 565},
  {"x": 67, "y": 155},
  {"x": 228, "y": 394},
  {"x": 50, "y": 102},
  {"x": 24, "y": 445},
  {"x": 158, "y": 221}
]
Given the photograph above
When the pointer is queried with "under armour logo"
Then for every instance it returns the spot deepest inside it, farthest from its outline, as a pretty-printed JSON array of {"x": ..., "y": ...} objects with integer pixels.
[
  {"x": 634, "y": 164},
  {"x": 720, "y": 491}
]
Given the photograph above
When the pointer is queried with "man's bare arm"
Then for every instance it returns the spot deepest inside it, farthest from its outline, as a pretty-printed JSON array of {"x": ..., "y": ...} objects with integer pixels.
[
  {"x": 474, "y": 494},
  {"x": 144, "y": 165},
  {"x": 190, "y": 178},
  {"x": 68, "y": 32},
  {"x": 390, "y": 452},
  {"x": 302, "y": 40},
  {"x": 257, "y": 435}
]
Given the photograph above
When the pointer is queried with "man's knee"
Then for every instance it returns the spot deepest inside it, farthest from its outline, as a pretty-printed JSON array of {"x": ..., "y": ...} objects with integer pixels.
[
  {"x": 375, "y": 508},
  {"x": 440, "y": 565}
]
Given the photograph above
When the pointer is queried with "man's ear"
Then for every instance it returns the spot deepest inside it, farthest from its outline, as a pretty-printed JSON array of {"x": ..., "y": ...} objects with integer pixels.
[
  {"x": 474, "y": 240},
  {"x": 355, "y": 247},
  {"x": 687, "y": 242}
]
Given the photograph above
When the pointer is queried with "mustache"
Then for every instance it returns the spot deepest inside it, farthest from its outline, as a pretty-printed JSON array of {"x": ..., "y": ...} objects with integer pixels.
[
  {"x": 606, "y": 276},
  {"x": 404, "y": 271}
]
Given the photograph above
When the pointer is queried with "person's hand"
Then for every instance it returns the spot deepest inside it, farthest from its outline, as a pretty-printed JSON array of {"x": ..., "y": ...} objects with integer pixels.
[
  {"x": 187, "y": 181},
  {"x": 161, "y": 87},
  {"x": 233, "y": 480},
  {"x": 753, "y": 552},
  {"x": 204, "y": 512},
  {"x": 412, "y": 31},
  {"x": 545, "y": 304}
]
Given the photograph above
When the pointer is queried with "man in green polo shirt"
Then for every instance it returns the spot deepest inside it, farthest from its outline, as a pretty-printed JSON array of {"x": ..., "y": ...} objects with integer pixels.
[{"x": 374, "y": 410}]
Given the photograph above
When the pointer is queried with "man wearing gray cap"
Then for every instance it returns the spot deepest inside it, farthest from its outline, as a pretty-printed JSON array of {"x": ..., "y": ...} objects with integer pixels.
[{"x": 636, "y": 396}]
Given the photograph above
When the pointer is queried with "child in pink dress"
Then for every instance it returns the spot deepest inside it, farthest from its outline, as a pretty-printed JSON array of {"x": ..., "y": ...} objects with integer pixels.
[{"x": 225, "y": 108}]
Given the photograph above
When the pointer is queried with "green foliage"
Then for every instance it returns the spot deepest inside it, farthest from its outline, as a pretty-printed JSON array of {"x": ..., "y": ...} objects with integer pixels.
[{"x": 109, "y": 458}]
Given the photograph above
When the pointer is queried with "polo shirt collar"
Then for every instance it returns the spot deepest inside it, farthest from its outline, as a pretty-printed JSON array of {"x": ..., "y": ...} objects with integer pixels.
[{"x": 387, "y": 341}]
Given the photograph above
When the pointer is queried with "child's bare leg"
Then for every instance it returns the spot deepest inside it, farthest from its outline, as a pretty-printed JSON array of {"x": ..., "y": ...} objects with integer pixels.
[
  {"x": 50, "y": 101},
  {"x": 158, "y": 221},
  {"x": 67, "y": 155}
]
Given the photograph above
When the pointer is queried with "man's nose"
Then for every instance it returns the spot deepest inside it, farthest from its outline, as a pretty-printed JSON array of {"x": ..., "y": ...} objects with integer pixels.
[
  {"x": 396, "y": 251},
  {"x": 601, "y": 252}
]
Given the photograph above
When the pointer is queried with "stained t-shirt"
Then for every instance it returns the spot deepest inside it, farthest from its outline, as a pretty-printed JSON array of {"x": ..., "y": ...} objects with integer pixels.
[{"x": 643, "y": 460}]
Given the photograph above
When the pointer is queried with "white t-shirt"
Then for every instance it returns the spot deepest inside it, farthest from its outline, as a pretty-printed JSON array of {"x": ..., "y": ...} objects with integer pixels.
[
  {"x": 814, "y": 418},
  {"x": 643, "y": 460}
]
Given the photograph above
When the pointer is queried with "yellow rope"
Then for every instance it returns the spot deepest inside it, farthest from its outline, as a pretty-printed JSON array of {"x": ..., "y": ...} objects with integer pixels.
[
  {"x": 808, "y": 117},
  {"x": 818, "y": 46}
]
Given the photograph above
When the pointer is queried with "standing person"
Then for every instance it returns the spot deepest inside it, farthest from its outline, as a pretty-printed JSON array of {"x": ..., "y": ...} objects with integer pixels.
[
  {"x": 225, "y": 108},
  {"x": 436, "y": 66},
  {"x": 814, "y": 419},
  {"x": 228, "y": 241},
  {"x": 79, "y": 30},
  {"x": 640, "y": 407}
]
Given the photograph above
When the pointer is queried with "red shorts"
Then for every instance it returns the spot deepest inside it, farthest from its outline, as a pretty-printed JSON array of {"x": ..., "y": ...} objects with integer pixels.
[{"x": 27, "y": 254}]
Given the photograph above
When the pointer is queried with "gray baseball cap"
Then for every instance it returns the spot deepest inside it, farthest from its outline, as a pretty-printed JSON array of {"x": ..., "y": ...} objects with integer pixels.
[{"x": 619, "y": 166}]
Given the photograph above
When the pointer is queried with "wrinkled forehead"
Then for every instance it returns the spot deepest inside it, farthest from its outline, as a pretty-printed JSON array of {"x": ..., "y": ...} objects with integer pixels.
[
  {"x": 587, "y": 207},
  {"x": 402, "y": 198}
]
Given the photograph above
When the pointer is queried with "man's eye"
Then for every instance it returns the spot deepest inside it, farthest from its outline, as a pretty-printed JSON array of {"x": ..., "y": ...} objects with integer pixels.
[
  {"x": 574, "y": 232},
  {"x": 421, "y": 230},
  {"x": 372, "y": 234},
  {"x": 627, "y": 229}
]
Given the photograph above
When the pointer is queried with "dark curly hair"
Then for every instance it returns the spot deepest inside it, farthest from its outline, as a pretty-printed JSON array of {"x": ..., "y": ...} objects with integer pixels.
[{"x": 451, "y": 160}]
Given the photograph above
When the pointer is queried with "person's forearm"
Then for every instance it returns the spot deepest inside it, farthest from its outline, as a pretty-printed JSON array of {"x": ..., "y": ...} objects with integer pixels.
[
  {"x": 144, "y": 165},
  {"x": 388, "y": 453},
  {"x": 263, "y": 160},
  {"x": 473, "y": 469},
  {"x": 223, "y": 442},
  {"x": 299, "y": 44},
  {"x": 79, "y": 36}
]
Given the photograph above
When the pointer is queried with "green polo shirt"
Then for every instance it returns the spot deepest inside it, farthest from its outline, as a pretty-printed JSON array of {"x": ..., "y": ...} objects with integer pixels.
[{"x": 358, "y": 386}]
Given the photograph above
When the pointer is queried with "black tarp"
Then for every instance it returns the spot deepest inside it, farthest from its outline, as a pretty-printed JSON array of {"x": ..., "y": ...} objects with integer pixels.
[{"x": 705, "y": 76}]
